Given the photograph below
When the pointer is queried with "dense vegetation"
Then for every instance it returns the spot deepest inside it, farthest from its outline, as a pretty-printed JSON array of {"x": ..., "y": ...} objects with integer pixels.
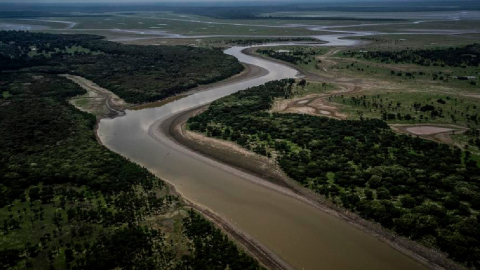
[
  {"x": 425, "y": 191},
  {"x": 135, "y": 73},
  {"x": 286, "y": 56},
  {"x": 255, "y": 11},
  {"x": 294, "y": 55},
  {"x": 468, "y": 56},
  {"x": 255, "y": 41},
  {"x": 39, "y": 14},
  {"x": 414, "y": 108},
  {"x": 66, "y": 202}
]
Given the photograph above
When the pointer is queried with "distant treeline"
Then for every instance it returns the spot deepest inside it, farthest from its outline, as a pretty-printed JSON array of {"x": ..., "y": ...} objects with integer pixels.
[
  {"x": 467, "y": 56},
  {"x": 246, "y": 10},
  {"x": 136, "y": 73},
  {"x": 294, "y": 57},
  {"x": 254, "y": 41},
  {"x": 284, "y": 56},
  {"x": 254, "y": 12},
  {"x": 295, "y": 18},
  {"x": 38, "y": 14}
]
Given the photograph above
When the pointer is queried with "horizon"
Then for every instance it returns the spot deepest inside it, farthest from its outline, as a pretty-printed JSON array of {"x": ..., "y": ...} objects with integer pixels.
[{"x": 258, "y": 2}]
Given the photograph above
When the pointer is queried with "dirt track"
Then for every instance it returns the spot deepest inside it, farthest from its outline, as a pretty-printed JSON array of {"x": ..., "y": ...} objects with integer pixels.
[{"x": 317, "y": 104}]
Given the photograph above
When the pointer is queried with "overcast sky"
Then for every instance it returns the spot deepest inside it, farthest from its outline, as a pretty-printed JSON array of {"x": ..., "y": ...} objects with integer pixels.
[{"x": 202, "y": 1}]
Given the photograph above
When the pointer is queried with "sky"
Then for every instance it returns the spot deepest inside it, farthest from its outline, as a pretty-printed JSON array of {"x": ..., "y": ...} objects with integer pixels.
[{"x": 198, "y": 1}]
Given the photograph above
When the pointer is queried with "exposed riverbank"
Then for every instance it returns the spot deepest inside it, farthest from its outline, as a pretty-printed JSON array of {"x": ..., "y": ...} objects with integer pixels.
[
  {"x": 233, "y": 155},
  {"x": 267, "y": 258},
  {"x": 105, "y": 104},
  {"x": 98, "y": 101},
  {"x": 249, "y": 72},
  {"x": 286, "y": 223}
]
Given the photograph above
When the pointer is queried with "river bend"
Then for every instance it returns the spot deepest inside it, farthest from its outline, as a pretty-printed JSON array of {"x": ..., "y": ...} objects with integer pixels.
[{"x": 299, "y": 233}]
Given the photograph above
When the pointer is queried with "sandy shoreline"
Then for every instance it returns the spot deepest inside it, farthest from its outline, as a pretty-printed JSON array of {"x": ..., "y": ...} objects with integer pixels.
[
  {"x": 248, "y": 243},
  {"x": 249, "y": 72},
  {"x": 214, "y": 150},
  {"x": 160, "y": 131}
]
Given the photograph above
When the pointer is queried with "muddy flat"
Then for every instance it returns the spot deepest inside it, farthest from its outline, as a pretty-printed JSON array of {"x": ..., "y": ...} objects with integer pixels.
[
  {"x": 428, "y": 130},
  {"x": 324, "y": 112},
  {"x": 98, "y": 101}
]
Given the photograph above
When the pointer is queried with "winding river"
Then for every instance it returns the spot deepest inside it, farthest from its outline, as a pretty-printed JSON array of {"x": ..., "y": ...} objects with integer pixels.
[{"x": 302, "y": 235}]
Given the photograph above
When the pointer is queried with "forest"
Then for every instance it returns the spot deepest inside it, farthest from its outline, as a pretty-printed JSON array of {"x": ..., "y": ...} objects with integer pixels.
[
  {"x": 425, "y": 191},
  {"x": 293, "y": 55},
  {"x": 67, "y": 202},
  {"x": 414, "y": 108},
  {"x": 137, "y": 74},
  {"x": 256, "y": 41},
  {"x": 467, "y": 56}
]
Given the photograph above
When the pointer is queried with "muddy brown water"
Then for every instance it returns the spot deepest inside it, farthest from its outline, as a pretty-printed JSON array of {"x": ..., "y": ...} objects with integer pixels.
[{"x": 304, "y": 236}]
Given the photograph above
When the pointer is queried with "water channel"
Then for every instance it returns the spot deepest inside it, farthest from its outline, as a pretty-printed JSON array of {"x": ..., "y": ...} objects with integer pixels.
[{"x": 299, "y": 233}]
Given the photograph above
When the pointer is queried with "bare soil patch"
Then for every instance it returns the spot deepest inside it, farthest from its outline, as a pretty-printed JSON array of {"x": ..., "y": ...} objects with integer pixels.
[
  {"x": 98, "y": 101},
  {"x": 437, "y": 133},
  {"x": 427, "y": 130}
]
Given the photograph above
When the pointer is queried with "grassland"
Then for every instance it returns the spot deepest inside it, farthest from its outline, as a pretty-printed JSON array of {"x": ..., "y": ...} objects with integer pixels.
[
  {"x": 394, "y": 92},
  {"x": 456, "y": 110},
  {"x": 313, "y": 88},
  {"x": 177, "y": 24},
  {"x": 124, "y": 26}
]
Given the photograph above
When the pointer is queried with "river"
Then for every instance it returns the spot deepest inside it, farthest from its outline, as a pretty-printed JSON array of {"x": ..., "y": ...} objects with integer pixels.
[{"x": 302, "y": 235}]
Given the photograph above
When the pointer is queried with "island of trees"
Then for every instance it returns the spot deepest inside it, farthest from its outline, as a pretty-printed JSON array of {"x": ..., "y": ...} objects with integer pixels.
[
  {"x": 293, "y": 55},
  {"x": 419, "y": 189},
  {"x": 256, "y": 41}
]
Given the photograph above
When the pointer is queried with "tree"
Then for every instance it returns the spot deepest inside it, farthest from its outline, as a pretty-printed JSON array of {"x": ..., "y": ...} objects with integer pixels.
[
  {"x": 408, "y": 201},
  {"x": 383, "y": 194},
  {"x": 9, "y": 258},
  {"x": 369, "y": 194},
  {"x": 451, "y": 202},
  {"x": 405, "y": 225},
  {"x": 475, "y": 202},
  {"x": 375, "y": 181}
]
